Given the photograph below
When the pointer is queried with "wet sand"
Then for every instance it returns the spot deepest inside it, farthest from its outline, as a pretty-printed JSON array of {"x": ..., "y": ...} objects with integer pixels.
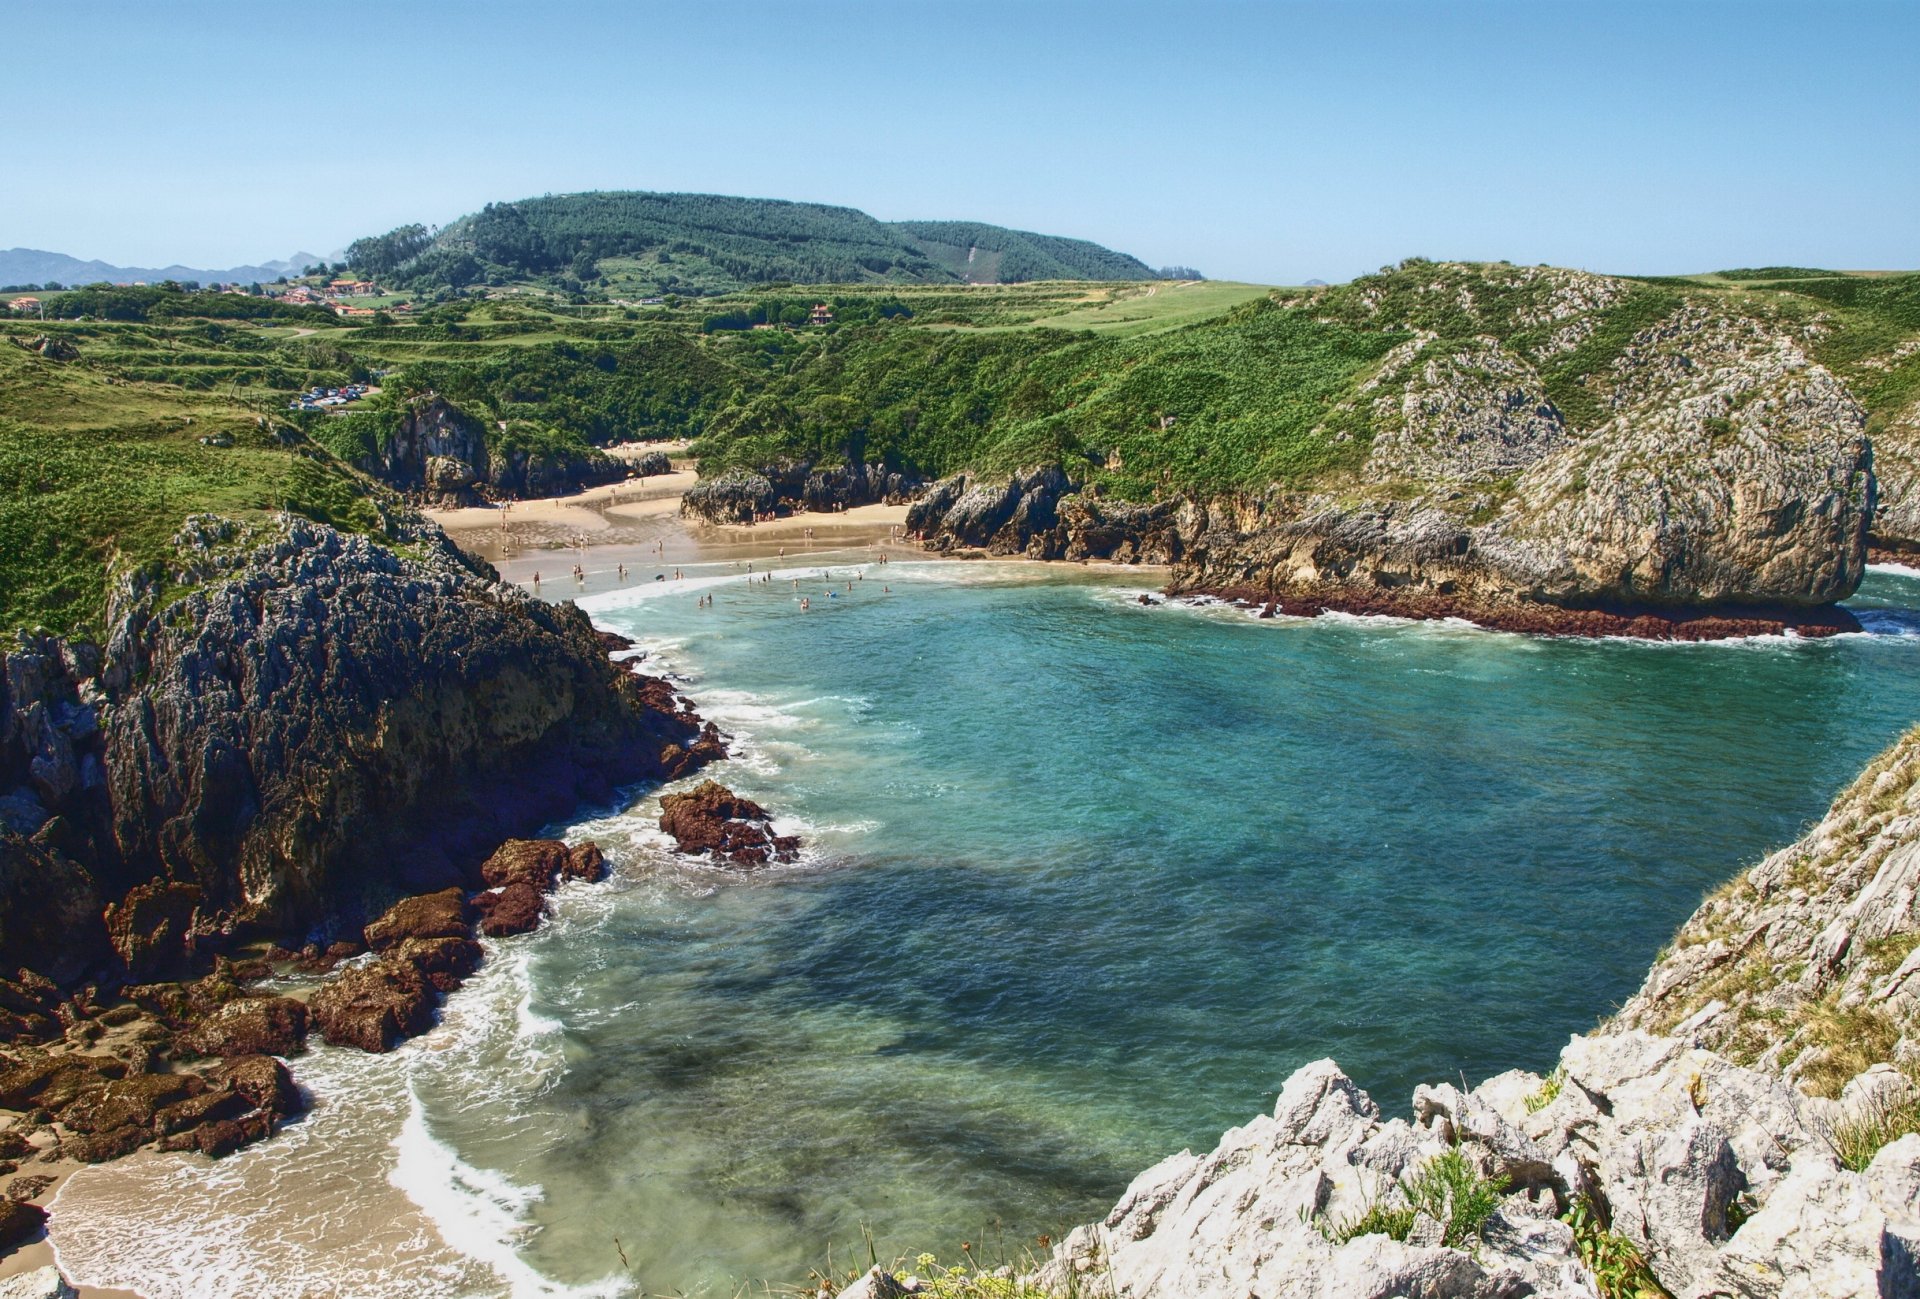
[{"x": 39, "y": 1253}]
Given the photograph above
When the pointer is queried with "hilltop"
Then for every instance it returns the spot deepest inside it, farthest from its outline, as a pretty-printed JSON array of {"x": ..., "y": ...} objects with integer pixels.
[{"x": 691, "y": 244}]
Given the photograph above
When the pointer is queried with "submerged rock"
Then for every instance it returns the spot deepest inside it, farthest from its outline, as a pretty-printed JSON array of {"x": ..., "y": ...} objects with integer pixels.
[{"x": 712, "y": 820}]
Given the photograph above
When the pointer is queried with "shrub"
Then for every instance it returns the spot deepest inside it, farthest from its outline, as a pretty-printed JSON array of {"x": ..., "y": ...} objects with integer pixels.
[{"x": 1619, "y": 1270}]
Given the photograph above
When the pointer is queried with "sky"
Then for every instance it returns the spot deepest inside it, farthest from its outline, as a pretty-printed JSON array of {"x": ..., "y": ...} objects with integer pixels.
[{"x": 1267, "y": 142}]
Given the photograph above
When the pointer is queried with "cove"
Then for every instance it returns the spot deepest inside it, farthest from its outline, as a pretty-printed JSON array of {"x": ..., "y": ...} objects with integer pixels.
[{"x": 1085, "y": 880}]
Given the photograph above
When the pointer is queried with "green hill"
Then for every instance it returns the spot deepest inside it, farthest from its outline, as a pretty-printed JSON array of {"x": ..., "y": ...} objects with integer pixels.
[{"x": 698, "y": 244}]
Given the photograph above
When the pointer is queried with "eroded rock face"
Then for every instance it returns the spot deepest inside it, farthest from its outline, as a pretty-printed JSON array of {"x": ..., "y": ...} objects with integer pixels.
[
  {"x": 324, "y": 721},
  {"x": 741, "y": 496},
  {"x": 1722, "y": 1177},
  {"x": 711, "y": 820}
]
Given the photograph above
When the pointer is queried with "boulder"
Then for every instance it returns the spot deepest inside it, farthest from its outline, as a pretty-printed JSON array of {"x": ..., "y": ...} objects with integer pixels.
[
  {"x": 585, "y": 862},
  {"x": 250, "y": 1026},
  {"x": 532, "y": 861},
  {"x": 443, "y": 962},
  {"x": 374, "y": 1007},
  {"x": 267, "y": 1085},
  {"x": 711, "y": 819},
  {"x": 515, "y": 909},
  {"x": 445, "y": 914},
  {"x": 652, "y": 464}
]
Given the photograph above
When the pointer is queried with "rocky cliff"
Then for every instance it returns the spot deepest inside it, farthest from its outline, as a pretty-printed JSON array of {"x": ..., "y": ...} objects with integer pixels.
[
  {"x": 440, "y": 453},
  {"x": 741, "y": 496},
  {"x": 1763, "y": 1140},
  {"x": 290, "y": 726},
  {"x": 1715, "y": 467}
]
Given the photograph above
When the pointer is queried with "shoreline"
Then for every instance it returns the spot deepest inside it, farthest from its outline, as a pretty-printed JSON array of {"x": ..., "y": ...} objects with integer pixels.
[
  {"x": 533, "y": 539},
  {"x": 1647, "y": 624}
]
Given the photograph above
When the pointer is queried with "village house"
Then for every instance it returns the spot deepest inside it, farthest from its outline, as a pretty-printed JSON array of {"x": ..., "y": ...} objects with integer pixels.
[
  {"x": 24, "y": 305},
  {"x": 822, "y": 314}
]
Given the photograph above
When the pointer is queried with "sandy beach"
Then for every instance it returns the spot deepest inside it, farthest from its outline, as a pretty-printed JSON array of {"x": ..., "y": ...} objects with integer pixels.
[{"x": 638, "y": 524}]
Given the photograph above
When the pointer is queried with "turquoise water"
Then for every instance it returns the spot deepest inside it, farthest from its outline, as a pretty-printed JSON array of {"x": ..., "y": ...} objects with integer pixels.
[{"x": 1086, "y": 880}]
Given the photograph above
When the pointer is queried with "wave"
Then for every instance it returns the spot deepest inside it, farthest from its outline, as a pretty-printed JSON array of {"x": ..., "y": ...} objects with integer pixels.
[{"x": 481, "y": 1213}]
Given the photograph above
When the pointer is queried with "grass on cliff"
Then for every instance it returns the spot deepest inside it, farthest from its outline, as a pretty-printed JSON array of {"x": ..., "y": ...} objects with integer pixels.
[{"x": 98, "y": 472}]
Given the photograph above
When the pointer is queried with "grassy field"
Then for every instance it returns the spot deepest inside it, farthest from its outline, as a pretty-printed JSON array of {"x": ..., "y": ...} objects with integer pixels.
[
  {"x": 1125, "y": 311},
  {"x": 97, "y": 473}
]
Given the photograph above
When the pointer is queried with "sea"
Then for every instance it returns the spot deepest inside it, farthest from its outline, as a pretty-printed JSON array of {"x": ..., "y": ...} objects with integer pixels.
[{"x": 1084, "y": 880}]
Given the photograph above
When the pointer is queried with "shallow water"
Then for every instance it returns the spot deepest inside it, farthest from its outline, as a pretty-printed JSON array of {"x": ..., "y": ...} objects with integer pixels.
[{"x": 1086, "y": 880}]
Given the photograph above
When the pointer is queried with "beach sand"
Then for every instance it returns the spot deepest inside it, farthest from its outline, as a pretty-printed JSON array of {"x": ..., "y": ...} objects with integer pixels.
[{"x": 39, "y": 1253}]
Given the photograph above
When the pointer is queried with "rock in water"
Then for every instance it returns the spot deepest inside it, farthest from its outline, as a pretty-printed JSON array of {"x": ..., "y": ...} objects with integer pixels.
[
  {"x": 515, "y": 909},
  {"x": 534, "y": 862},
  {"x": 711, "y": 819},
  {"x": 374, "y": 1007}
]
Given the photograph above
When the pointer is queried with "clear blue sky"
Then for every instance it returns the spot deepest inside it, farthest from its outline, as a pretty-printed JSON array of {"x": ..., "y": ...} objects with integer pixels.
[{"x": 1271, "y": 142}]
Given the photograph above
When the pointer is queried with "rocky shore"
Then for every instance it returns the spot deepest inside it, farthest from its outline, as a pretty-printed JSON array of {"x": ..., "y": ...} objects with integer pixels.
[
  {"x": 297, "y": 747},
  {"x": 1748, "y": 1125}
]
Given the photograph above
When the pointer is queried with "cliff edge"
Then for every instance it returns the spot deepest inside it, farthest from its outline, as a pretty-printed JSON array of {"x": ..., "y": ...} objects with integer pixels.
[
  {"x": 1762, "y": 1141},
  {"x": 291, "y": 725}
]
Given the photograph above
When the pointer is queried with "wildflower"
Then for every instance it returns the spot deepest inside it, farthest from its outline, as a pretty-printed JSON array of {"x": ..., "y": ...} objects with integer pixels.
[{"x": 925, "y": 1260}]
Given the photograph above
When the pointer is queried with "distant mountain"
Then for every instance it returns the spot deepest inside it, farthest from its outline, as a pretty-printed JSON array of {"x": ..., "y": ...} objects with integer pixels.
[
  {"x": 36, "y": 266},
  {"x": 640, "y": 242}
]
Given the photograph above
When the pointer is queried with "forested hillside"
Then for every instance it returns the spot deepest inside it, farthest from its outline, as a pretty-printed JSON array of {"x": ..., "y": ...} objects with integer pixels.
[{"x": 631, "y": 242}]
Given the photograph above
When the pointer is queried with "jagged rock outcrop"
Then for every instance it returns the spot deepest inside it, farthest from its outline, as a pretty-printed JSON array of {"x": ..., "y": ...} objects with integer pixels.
[
  {"x": 1731, "y": 472},
  {"x": 711, "y": 820},
  {"x": 290, "y": 728},
  {"x": 742, "y": 496},
  {"x": 320, "y": 720},
  {"x": 1039, "y": 514},
  {"x": 1723, "y": 1180},
  {"x": 1809, "y": 963},
  {"x": 440, "y": 452},
  {"x": 1764, "y": 1143}
]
